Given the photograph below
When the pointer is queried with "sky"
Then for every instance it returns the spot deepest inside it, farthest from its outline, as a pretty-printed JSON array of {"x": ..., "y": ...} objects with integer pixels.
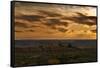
[{"x": 53, "y": 21}]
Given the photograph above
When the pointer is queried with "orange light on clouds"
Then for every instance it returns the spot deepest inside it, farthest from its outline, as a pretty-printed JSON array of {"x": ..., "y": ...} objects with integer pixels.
[{"x": 54, "y": 22}]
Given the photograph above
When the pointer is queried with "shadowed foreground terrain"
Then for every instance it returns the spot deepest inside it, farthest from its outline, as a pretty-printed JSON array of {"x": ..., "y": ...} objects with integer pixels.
[{"x": 60, "y": 53}]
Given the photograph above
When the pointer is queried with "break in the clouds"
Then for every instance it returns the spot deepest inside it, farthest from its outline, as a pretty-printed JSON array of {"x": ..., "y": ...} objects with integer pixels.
[{"x": 52, "y": 21}]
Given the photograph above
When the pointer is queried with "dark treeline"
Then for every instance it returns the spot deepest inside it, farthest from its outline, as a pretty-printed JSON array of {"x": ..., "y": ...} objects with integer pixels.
[{"x": 54, "y": 42}]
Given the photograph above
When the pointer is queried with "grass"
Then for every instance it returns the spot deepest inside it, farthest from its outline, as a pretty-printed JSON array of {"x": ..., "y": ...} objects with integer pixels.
[{"x": 47, "y": 54}]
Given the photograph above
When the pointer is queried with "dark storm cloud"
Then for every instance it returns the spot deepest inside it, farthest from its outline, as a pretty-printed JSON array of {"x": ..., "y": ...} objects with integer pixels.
[
  {"x": 85, "y": 20},
  {"x": 50, "y": 14},
  {"x": 31, "y": 30},
  {"x": 30, "y": 17},
  {"x": 19, "y": 24},
  {"x": 94, "y": 18},
  {"x": 53, "y": 22},
  {"x": 94, "y": 31},
  {"x": 18, "y": 31},
  {"x": 80, "y": 14},
  {"x": 62, "y": 30},
  {"x": 53, "y": 27},
  {"x": 82, "y": 19},
  {"x": 35, "y": 25}
]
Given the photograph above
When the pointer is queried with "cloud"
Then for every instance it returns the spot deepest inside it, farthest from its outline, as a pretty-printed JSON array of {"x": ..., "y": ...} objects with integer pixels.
[
  {"x": 82, "y": 19},
  {"x": 81, "y": 14},
  {"x": 85, "y": 20},
  {"x": 53, "y": 22},
  {"x": 94, "y": 31},
  {"x": 31, "y": 30},
  {"x": 19, "y": 24},
  {"x": 30, "y": 17},
  {"x": 18, "y": 31},
  {"x": 62, "y": 30},
  {"x": 48, "y": 13},
  {"x": 35, "y": 26}
]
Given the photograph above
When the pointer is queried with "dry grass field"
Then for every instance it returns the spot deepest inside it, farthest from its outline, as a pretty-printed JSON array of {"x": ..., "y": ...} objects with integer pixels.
[{"x": 56, "y": 54}]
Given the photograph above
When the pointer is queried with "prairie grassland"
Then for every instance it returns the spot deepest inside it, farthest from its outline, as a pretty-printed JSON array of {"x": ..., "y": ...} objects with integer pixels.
[{"x": 47, "y": 55}]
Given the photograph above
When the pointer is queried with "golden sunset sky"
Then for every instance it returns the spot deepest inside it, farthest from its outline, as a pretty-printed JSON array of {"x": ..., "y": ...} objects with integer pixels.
[{"x": 52, "y": 21}]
